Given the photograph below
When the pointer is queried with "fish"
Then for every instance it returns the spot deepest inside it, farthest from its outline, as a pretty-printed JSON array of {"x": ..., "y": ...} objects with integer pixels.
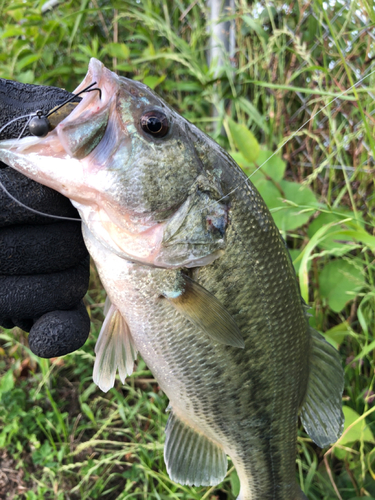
[{"x": 199, "y": 282}]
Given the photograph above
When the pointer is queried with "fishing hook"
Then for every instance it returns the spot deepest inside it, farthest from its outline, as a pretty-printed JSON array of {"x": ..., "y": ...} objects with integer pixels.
[{"x": 39, "y": 125}]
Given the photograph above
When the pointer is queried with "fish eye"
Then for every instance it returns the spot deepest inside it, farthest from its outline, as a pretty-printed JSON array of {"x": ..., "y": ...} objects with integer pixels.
[{"x": 155, "y": 123}]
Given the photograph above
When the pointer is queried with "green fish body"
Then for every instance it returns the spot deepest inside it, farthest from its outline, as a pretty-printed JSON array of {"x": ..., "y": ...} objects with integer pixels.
[{"x": 200, "y": 283}]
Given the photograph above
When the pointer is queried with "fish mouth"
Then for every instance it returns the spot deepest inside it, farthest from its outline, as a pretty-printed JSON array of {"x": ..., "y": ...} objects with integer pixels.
[
  {"x": 99, "y": 93},
  {"x": 84, "y": 127}
]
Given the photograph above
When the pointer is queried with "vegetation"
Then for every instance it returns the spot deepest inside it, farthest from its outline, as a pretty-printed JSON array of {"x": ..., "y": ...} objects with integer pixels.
[{"x": 60, "y": 437}]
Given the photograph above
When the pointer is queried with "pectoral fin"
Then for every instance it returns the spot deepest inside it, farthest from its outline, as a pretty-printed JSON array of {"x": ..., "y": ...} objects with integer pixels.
[
  {"x": 191, "y": 458},
  {"x": 321, "y": 413},
  {"x": 114, "y": 350},
  {"x": 205, "y": 311}
]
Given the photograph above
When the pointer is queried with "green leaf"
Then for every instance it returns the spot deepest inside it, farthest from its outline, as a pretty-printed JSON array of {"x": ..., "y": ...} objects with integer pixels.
[
  {"x": 6, "y": 382},
  {"x": 359, "y": 431},
  {"x": 256, "y": 26},
  {"x": 298, "y": 211},
  {"x": 235, "y": 483},
  {"x": 88, "y": 412},
  {"x": 296, "y": 256},
  {"x": 12, "y": 32},
  {"x": 153, "y": 81},
  {"x": 239, "y": 159},
  {"x": 342, "y": 242},
  {"x": 272, "y": 165},
  {"x": 337, "y": 334},
  {"x": 270, "y": 194},
  {"x": 244, "y": 141},
  {"x": 26, "y": 61},
  {"x": 307, "y": 256},
  {"x": 337, "y": 279},
  {"x": 119, "y": 50},
  {"x": 253, "y": 113},
  {"x": 26, "y": 76}
]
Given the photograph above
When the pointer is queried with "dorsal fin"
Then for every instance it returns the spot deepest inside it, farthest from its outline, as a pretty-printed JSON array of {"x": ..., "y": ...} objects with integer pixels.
[
  {"x": 205, "y": 311},
  {"x": 114, "y": 350},
  {"x": 321, "y": 412}
]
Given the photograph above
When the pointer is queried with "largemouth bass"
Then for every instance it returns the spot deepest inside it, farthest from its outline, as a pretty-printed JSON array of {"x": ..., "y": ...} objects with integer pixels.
[{"x": 200, "y": 283}]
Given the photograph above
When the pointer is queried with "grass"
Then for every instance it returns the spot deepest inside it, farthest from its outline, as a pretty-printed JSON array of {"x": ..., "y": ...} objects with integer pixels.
[{"x": 60, "y": 437}]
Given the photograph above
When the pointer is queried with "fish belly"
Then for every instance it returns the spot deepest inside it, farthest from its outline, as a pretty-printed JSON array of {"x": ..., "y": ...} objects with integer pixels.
[{"x": 245, "y": 400}]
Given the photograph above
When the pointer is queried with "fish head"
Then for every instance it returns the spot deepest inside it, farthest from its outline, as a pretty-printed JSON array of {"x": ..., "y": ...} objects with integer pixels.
[{"x": 134, "y": 168}]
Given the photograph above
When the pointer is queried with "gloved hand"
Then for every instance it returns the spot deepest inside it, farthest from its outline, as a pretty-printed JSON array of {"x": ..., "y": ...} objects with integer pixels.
[{"x": 44, "y": 264}]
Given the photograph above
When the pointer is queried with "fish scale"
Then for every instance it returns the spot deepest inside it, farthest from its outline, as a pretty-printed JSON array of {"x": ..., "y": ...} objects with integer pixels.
[{"x": 200, "y": 283}]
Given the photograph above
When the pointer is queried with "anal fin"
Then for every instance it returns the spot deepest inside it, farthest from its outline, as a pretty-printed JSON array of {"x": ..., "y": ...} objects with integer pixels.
[
  {"x": 321, "y": 412},
  {"x": 191, "y": 458}
]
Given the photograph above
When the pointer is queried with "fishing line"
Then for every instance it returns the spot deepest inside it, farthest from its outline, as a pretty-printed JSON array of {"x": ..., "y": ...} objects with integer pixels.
[
  {"x": 33, "y": 209},
  {"x": 30, "y": 115}
]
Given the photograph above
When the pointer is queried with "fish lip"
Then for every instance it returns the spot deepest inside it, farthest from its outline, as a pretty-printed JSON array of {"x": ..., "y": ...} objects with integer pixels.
[{"x": 94, "y": 74}]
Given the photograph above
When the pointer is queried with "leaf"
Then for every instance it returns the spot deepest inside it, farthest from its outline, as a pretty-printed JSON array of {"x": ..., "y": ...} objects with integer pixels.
[
  {"x": 12, "y": 32},
  {"x": 359, "y": 431},
  {"x": 270, "y": 194},
  {"x": 6, "y": 382},
  {"x": 337, "y": 279},
  {"x": 340, "y": 243},
  {"x": 337, "y": 334},
  {"x": 329, "y": 242},
  {"x": 27, "y": 60},
  {"x": 88, "y": 412},
  {"x": 244, "y": 141},
  {"x": 294, "y": 215},
  {"x": 307, "y": 256},
  {"x": 119, "y": 50},
  {"x": 239, "y": 159},
  {"x": 256, "y": 26},
  {"x": 26, "y": 76},
  {"x": 235, "y": 483},
  {"x": 153, "y": 81},
  {"x": 273, "y": 167},
  {"x": 253, "y": 113}
]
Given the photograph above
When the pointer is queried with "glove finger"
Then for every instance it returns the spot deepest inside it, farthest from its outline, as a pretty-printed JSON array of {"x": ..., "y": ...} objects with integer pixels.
[
  {"x": 7, "y": 323},
  {"x": 60, "y": 332},
  {"x": 33, "y": 195},
  {"x": 32, "y": 296},
  {"x": 24, "y": 323},
  {"x": 41, "y": 249}
]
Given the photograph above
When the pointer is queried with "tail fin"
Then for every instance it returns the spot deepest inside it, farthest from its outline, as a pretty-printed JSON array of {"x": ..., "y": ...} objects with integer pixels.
[{"x": 321, "y": 413}]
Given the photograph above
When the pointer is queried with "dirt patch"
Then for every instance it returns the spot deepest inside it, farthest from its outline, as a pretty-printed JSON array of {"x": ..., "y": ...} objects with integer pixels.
[{"x": 11, "y": 479}]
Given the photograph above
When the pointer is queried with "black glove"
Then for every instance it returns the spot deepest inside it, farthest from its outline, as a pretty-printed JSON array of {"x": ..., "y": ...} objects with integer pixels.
[{"x": 44, "y": 264}]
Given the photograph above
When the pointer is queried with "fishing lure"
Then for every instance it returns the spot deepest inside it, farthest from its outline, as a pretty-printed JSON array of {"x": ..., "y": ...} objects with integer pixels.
[{"x": 39, "y": 124}]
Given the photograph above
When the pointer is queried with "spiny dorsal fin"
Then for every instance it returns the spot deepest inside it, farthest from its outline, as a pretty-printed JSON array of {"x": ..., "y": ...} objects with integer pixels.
[
  {"x": 114, "y": 350},
  {"x": 321, "y": 413},
  {"x": 191, "y": 458},
  {"x": 205, "y": 311}
]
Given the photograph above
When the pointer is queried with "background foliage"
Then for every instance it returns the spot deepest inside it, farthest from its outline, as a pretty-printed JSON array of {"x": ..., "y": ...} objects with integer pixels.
[{"x": 60, "y": 437}]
